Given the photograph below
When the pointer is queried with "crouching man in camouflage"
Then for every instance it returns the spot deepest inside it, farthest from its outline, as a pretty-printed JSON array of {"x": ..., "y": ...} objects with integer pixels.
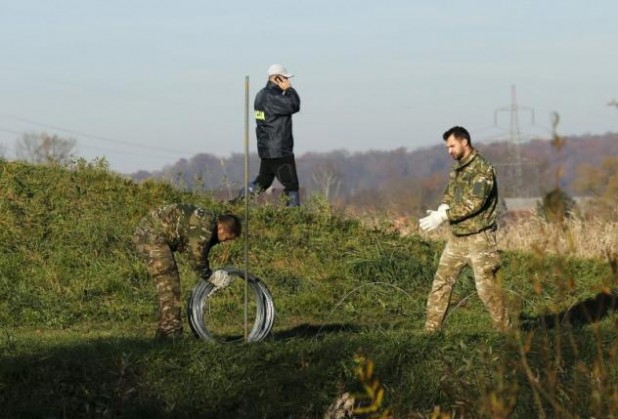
[
  {"x": 469, "y": 204},
  {"x": 182, "y": 228}
]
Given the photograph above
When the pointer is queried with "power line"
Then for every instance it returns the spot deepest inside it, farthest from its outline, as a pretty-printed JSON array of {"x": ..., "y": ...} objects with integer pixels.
[
  {"x": 78, "y": 146},
  {"x": 106, "y": 150},
  {"x": 10, "y": 131},
  {"x": 101, "y": 138},
  {"x": 157, "y": 152}
]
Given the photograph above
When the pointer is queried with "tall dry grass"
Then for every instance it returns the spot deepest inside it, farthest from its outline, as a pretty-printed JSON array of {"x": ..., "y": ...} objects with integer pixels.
[{"x": 593, "y": 239}]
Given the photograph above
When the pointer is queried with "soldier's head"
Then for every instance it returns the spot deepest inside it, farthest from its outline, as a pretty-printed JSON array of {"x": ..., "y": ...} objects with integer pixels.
[
  {"x": 458, "y": 142},
  {"x": 228, "y": 227}
]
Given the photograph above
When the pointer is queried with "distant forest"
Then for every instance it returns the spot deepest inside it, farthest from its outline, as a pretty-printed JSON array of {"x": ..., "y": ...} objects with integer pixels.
[{"x": 408, "y": 181}]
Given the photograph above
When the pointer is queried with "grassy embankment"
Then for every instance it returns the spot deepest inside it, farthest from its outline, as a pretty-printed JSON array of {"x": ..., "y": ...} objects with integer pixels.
[{"x": 77, "y": 316}]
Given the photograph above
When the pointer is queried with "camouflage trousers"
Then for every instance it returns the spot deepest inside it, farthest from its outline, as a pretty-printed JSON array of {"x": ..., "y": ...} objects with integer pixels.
[
  {"x": 162, "y": 268},
  {"x": 480, "y": 252}
]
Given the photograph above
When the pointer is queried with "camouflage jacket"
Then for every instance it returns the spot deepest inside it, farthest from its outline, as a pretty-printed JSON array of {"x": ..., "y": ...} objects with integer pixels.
[
  {"x": 185, "y": 228},
  {"x": 472, "y": 195}
]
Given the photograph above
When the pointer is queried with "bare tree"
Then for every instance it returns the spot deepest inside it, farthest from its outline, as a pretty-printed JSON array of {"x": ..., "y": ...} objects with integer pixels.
[
  {"x": 327, "y": 180},
  {"x": 42, "y": 148}
]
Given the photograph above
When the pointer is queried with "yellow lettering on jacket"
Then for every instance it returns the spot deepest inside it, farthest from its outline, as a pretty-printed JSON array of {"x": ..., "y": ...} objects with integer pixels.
[{"x": 260, "y": 115}]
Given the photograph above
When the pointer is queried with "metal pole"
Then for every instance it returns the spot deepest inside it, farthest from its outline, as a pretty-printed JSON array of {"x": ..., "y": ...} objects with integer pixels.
[{"x": 246, "y": 206}]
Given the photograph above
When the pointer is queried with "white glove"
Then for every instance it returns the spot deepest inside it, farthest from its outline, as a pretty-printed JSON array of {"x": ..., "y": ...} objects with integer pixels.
[
  {"x": 434, "y": 219},
  {"x": 220, "y": 279}
]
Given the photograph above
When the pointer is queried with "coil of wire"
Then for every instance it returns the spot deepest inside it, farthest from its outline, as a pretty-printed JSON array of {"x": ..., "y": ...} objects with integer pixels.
[{"x": 264, "y": 306}]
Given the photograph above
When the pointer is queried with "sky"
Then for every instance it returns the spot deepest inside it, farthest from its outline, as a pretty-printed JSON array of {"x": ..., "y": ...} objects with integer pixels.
[{"x": 146, "y": 83}]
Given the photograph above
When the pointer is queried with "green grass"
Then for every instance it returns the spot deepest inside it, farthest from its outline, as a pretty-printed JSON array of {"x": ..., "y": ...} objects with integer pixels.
[{"x": 77, "y": 316}]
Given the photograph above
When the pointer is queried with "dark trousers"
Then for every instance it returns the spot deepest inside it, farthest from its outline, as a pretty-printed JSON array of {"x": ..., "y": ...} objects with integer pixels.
[{"x": 282, "y": 168}]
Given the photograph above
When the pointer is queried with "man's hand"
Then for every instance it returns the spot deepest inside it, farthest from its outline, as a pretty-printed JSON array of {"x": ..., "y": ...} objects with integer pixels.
[
  {"x": 220, "y": 279},
  {"x": 434, "y": 219},
  {"x": 283, "y": 82}
]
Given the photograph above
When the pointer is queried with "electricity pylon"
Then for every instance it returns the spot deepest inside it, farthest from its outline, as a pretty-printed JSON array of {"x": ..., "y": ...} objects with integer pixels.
[{"x": 515, "y": 140}]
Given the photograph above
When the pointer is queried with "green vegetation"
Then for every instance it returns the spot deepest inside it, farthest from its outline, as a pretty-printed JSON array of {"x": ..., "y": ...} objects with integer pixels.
[{"x": 77, "y": 317}]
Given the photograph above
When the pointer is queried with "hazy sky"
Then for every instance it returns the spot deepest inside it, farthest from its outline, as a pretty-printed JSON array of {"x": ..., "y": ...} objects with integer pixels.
[{"x": 145, "y": 83}]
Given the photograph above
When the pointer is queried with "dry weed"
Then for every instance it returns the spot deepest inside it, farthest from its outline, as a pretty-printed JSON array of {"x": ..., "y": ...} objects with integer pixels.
[{"x": 594, "y": 239}]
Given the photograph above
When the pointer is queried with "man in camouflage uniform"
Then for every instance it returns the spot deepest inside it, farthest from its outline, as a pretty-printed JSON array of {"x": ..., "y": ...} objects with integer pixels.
[
  {"x": 469, "y": 204},
  {"x": 179, "y": 227}
]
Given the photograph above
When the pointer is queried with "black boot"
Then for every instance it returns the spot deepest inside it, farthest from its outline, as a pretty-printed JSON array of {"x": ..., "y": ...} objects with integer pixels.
[
  {"x": 241, "y": 194},
  {"x": 293, "y": 198},
  {"x": 168, "y": 335}
]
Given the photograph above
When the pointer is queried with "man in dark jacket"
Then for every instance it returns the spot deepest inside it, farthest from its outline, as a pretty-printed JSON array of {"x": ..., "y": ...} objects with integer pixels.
[{"x": 274, "y": 106}]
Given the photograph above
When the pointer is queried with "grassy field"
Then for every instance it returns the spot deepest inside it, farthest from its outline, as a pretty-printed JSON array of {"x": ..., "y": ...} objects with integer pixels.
[{"x": 77, "y": 316}]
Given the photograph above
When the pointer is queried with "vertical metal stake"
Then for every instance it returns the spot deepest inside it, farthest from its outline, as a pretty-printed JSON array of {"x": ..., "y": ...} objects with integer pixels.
[{"x": 246, "y": 206}]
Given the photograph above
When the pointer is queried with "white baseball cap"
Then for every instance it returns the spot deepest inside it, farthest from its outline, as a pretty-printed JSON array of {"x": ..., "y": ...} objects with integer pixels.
[{"x": 279, "y": 70}]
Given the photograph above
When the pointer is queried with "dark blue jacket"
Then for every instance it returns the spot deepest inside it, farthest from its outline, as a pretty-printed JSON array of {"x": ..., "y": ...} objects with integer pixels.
[{"x": 273, "y": 114}]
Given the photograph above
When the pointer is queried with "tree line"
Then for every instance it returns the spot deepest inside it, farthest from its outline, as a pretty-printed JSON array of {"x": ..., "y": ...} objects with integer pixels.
[
  {"x": 401, "y": 180},
  {"x": 408, "y": 181}
]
